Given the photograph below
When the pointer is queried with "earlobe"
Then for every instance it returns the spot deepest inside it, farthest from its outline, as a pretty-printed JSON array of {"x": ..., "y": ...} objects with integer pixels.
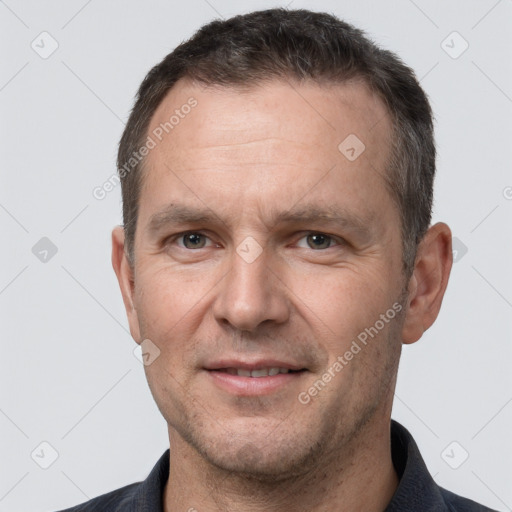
[
  {"x": 125, "y": 277},
  {"x": 428, "y": 282}
]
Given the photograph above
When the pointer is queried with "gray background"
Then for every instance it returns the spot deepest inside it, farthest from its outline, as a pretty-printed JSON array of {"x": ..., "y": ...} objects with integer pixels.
[{"x": 69, "y": 375}]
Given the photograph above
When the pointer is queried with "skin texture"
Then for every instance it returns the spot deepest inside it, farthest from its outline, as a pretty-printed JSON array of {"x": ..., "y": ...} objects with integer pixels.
[{"x": 246, "y": 157}]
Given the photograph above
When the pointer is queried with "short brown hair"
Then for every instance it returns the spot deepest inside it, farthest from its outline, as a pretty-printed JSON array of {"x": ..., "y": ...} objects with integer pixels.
[{"x": 300, "y": 44}]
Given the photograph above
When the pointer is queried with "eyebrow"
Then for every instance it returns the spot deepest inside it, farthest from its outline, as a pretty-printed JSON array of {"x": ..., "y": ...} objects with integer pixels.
[{"x": 177, "y": 213}]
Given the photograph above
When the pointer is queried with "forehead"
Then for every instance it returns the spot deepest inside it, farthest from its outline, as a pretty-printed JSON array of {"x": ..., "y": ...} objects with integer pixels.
[
  {"x": 280, "y": 133},
  {"x": 307, "y": 114}
]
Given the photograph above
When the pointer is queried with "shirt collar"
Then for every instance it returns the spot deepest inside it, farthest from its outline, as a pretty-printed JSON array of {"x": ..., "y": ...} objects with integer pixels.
[
  {"x": 417, "y": 489},
  {"x": 150, "y": 494}
]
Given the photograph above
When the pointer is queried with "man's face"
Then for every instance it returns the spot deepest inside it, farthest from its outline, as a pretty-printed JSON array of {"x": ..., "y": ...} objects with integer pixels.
[{"x": 263, "y": 279}]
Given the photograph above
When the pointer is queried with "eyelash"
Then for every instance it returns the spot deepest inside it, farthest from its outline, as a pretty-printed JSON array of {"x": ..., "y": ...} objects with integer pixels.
[{"x": 337, "y": 240}]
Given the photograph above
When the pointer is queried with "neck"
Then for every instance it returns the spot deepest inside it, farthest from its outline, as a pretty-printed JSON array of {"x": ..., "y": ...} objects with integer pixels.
[{"x": 359, "y": 477}]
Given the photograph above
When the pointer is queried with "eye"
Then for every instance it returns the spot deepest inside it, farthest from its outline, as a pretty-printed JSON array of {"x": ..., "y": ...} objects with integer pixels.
[
  {"x": 191, "y": 240},
  {"x": 318, "y": 241}
]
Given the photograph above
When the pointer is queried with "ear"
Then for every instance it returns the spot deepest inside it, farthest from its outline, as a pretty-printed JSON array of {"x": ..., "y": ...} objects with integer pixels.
[
  {"x": 428, "y": 281},
  {"x": 126, "y": 279}
]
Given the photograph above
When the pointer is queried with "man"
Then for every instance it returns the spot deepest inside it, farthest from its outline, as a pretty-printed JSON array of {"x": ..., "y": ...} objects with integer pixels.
[{"x": 277, "y": 173}]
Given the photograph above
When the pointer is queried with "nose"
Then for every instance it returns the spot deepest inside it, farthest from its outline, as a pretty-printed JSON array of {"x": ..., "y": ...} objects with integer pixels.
[{"x": 250, "y": 294}]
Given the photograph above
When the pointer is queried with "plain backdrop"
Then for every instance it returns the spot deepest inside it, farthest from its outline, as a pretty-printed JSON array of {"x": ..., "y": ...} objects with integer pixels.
[{"x": 69, "y": 377}]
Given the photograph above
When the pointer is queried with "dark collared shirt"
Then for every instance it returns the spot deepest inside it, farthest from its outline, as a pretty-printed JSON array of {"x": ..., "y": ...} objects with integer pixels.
[{"x": 417, "y": 491}]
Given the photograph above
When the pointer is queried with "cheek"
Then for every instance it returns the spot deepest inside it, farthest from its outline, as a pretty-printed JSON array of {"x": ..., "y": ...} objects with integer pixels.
[
  {"x": 343, "y": 302},
  {"x": 166, "y": 300},
  {"x": 168, "y": 313}
]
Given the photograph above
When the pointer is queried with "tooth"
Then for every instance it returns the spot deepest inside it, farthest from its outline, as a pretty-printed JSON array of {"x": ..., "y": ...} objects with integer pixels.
[{"x": 260, "y": 373}]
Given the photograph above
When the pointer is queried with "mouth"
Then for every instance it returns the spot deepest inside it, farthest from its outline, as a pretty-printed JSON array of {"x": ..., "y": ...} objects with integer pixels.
[
  {"x": 257, "y": 373},
  {"x": 256, "y": 379}
]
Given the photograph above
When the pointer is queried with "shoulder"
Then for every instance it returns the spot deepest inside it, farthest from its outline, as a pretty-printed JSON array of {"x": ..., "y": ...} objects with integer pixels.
[
  {"x": 417, "y": 489},
  {"x": 144, "y": 495},
  {"x": 456, "y": 503},
  {"x": 113, "y": 501}
]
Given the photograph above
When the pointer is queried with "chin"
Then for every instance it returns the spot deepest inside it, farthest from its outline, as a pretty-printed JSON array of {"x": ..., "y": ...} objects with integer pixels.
[
  {"x": 268, "y": 464},
  {"x": 257, "y": 449}
]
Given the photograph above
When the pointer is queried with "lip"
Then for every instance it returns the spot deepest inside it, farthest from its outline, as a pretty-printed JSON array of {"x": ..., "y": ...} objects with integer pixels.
[
  {"x": 252, "y": 365},
  {"x": 252, "y": 386}
]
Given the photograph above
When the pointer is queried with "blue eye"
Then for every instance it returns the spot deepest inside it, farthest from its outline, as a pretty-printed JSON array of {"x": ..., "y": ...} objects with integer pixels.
[
  {"x": 193, "y": 240},
  {"x": 318, "y": 241},
  {"x": 196, "y": 240}
]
